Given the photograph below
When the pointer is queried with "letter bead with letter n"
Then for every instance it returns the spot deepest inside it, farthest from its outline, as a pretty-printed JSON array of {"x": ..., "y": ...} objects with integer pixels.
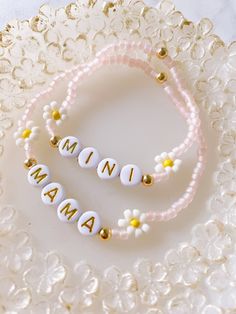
[
  {"x": 69, "y": 146},
  {"x": 69, "y": 210},
  {"x": 108, "y": 169},
  {"x": 89, "y": 223}
]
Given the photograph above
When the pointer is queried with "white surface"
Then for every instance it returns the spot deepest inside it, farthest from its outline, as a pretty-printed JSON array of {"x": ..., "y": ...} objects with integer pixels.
[{"x": 221, "y": 12}]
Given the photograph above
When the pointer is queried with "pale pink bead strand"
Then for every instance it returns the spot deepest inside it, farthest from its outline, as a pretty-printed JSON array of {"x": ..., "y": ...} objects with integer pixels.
[{"x": 115, "y": 54}]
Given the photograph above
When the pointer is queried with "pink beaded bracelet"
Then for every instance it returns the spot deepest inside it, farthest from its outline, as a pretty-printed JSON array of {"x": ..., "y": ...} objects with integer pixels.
[{"x": 53, "y": 193}]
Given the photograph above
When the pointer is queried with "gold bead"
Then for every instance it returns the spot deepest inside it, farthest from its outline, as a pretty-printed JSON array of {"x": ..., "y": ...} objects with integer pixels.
[
  {"x": 28, "y": 163},
  {"x": 147, "y": 180},
  {"x": 162, "y": 53},
  {"x": 105, "y": 233},
  {"x": 54, "y": 141},
  {"x": 161, "y": 77}
]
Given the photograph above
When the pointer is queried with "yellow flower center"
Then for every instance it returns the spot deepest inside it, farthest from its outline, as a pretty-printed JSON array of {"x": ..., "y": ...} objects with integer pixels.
[
  {"x": 168, "y": 163},
  {"x": 134, "y": 222},
  {"x": 26, "y": 133},
  {"x": 56, "y": 115}
]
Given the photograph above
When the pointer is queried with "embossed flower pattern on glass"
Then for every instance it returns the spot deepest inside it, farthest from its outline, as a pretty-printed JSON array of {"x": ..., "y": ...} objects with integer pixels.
[
  {"x": 223, "y": 280},
  {"x": 209, "y": 92},
  {"x": 198, "y": 38},
  {"x": 11, "y": 95},
  {"x": 152, "y": 281},
  {"x": 190, "y": 301},
  {"x": 222, "y": 117},
  {"x": 80, "y": 296},
  {"x": 119, "y": 291},
  {"x": 212, "y": 240},
  {"x": 29, "y": 73},
  {"x": 227, "y": 145},
  {"x": 185, "y": 265},
  {"x": 223, "y": 207},
  {"x": 12, "y": 298},
  {"x": 48, "y": 21},
  {"x": 223, "y": 60},
  {"x": 76, "y": 50},
  {"x": 7, "y": 217},
  {"x": 16, "y": 252},
  {"x": 226, "y": 176},
  {"x": 45, "y": 274},
  {"x": 161, "y": 23},
  {"x": 51, "y": 59}
]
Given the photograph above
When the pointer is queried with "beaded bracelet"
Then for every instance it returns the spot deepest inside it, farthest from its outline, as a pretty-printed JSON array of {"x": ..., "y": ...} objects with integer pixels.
[
  {"x": 89, "y": 157},
  {"x": 53, "y": 193}
]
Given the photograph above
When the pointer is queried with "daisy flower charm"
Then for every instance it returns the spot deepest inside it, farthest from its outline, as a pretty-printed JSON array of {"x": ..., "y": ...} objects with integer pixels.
[
  {"x": 26, "y": 133},
  {"x": 167, "y": 163},
  {"x": 53, "y": 113},
  {"x": 134, "y": 222}
]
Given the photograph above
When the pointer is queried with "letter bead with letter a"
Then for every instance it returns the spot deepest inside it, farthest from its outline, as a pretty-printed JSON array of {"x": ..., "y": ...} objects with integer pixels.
[
  {"x": 52, "y": 194},
  {"x": 89, "y": 223}
]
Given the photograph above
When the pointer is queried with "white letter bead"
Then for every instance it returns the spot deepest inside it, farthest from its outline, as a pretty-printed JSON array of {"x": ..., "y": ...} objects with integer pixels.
[
  {"x": 69, "y": 146},
  {"x": 69, "y": 210},
  {"x": 89, "y": 223},
  {"x": 39, "y": 175},
  {"x": 89, "y": 158},
  {"x": 130, "y": 175},
  {"x": 108, "y": 168},
  {"x": 52, "y": 194}
]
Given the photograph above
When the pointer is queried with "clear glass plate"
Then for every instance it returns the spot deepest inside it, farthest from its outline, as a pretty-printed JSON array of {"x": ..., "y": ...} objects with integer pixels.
[{"x": 183, "y": 266}]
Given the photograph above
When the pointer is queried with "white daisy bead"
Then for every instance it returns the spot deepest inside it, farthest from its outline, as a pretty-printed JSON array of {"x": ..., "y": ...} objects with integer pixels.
[
  {"x": 26, "y": 133},
  {"x": 89, "y": 158},
  {"x": 89, "y": 223},
  {"x": 134, "y": 222},
  {"x": 39, "y": 175},
  {"x": 167, "y": 163},
  {"x": 69, "y": 210},
  {"x": 53, "y": 113},
  {"x": 52, "y": 194},
  {"x": 69, "y": 146},
  {"x": 108, "y": 169},
  {"x": 130, "y": 175}
]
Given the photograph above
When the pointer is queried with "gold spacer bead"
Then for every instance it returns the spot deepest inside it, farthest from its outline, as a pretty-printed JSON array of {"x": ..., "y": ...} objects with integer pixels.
[
  {"x": 55, "y": 140},
  {"x": 105, "y": 233},
  {"x": 147, "y": 180},
  {"x": 28, "y": 163},
  {"x": 162, "y": 53},
  {"x": 161, "y": 77}
]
